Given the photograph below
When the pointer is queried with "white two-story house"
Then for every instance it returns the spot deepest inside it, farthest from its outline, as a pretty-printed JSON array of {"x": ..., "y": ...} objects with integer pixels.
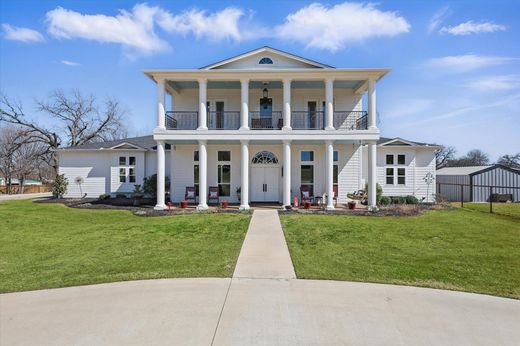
[{"x": 263, "y": 125}]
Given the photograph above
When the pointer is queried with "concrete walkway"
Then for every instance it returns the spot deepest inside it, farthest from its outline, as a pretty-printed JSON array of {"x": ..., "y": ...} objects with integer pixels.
[{"x": 25, "y": 196}]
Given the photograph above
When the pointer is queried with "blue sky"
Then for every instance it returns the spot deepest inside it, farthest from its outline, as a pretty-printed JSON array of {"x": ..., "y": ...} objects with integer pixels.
[{"x": 455, "y": 76}]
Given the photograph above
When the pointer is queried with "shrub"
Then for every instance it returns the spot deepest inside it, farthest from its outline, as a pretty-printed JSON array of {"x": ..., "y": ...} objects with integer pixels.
[
  {"x": 385, "y": 200},
  {"x": 104, "y": 196},
  {"x": 379, "y": 192},
  {"x": 150, "y": 184},
  {"x": 411, "y": 199},
  {"x": 398, "y": 200},
  {"x": 59, "y": 187},
  {"x": 120, "y": 195}
]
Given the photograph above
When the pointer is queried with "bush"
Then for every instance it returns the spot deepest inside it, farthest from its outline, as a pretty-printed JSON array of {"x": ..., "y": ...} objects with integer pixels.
[
  {"x": 385, "y": 200},
  {"x": 150, "y": 184},
  {"x": 104, "y": 196},
  {"x": 120, "y": 195},
  {"x": 59, "y": 187},
  {"x": 379, "y": 192},
  {"x": 411, "y": 199},
  {"x": 398, "y": 200}
]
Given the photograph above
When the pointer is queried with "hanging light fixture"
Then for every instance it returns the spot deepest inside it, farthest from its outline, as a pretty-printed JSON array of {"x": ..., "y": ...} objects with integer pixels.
[{"x": 266, "y": 93}]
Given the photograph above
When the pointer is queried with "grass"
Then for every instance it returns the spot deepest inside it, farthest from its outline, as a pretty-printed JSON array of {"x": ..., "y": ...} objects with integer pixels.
[
  {"x": 51, "y": 245},
  {"x": 507, "y": 209},
  {"x": 460, "y": 249}
]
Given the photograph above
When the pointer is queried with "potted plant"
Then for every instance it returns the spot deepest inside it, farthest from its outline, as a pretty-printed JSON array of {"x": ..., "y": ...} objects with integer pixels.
[
  {"x": 352, "y": 204},
  {"x": 238, "y": 191}
]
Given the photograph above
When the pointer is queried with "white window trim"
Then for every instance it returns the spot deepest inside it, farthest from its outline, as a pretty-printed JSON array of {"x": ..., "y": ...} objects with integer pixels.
[
  {"x": 126, "y": 167},
  {"x": 396, "y": 166}
]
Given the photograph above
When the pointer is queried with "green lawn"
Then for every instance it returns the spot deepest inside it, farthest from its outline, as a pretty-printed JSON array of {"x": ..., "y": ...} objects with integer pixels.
[
  {"x": 51, "y": 245},
  {"x": 508, "y": 209},
  {"x": 460, "y": 249}
]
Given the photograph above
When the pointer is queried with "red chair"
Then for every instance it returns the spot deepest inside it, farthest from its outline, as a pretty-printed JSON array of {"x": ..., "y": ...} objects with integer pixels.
[
  {"x": 191, "y": 194},
  {"x": 213, "y": 194},
  {"x": 306, "y": 194}
]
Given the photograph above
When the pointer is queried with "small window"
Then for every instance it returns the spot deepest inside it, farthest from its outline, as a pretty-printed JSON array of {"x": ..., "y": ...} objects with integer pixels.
[
  {"x": 389, "y": 159},
  {"x": 224, "y": 155},
  {"x": 131, "y": 161},
  {"x": 196, "y": 156},
  {"x": 131, "y": 174},
  {"x": 401, "y": 176},
  {"x": 266, "y": 61},
  {"x": 401, "y": 159},
  {"x": 224, "y": 180},
  {"x": 390, "y": 176},
  {"x": 335, "y": 156},
  {"x": 307, "y": 156},
  {"x": 196, "y": 179},
  {"x": 264, "y": 157},
  {"x": 122, "y": 160},
  {"x": 122, "y": 175}
]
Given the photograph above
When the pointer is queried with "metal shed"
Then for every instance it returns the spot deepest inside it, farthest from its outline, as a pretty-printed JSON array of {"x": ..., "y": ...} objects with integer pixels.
[{"x": 474, "y": 182}]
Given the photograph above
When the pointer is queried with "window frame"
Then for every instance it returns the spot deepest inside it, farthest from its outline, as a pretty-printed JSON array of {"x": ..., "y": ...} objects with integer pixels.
[
  {"x": 401, "y": 176},
  {"x": 311, "y": 156},
  {"x": 391, "y": 175},
  {"x": 397, "y": 168}
]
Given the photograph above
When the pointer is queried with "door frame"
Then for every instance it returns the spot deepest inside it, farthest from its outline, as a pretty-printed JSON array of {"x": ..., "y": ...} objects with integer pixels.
[
  {"x": 278, "y": 168},
  {"x": 319, "y": 107}
]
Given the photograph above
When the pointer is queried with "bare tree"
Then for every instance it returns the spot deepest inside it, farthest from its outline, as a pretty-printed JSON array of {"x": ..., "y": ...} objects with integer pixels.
[
  {"x": 78, "y": 120},
  {"x": 512, "y": 161},
  {"x": 475, "y": 157},
  {"x": 444, "y": 155},
  {"x": 10, "y": 143},
  {"x": 27, "y": 160}
]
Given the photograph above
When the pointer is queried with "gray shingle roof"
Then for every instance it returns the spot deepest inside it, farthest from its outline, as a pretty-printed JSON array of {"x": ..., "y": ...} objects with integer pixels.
[{"x": 145, "y": 142}]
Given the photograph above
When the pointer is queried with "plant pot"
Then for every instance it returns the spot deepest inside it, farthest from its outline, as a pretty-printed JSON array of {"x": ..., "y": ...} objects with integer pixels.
[
  {"x": 225, "y": 204},
  {"x": 184, "y": 204},
  {"x": 351, "y": 205},
  {"x": 306, "y": 205}
]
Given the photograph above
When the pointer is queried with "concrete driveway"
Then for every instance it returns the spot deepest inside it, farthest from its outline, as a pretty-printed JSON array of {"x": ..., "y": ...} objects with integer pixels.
[{"x": 255, "y": 312}]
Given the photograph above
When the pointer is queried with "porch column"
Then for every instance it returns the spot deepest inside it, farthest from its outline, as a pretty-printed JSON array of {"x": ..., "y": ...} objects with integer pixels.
[
  {"x": 329, "y": 151},
  {"x": 203, "y": 176},
  {"x": 171, "y": 172},
  {"x": 202, "y": 104},
  {"x": 372, "y": 104},
  {"x": 286, "y": 104},
  {"x": 160, "y": 176},
  {"x": 161, "y": 100},
  {"x": 372, "y": 200},
  {"x": 244, "y": 173},
  {"x": 286, "y": 173},
  {"x": 329, "y": 103},
  {"x": 244, "y": 111}
]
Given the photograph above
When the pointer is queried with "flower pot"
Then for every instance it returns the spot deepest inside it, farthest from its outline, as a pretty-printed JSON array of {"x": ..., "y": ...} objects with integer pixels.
[
  {"x": 351, "y": 205},
  {"x": 224, "y": 204},
  {"x": 306, "y": 205},
  {"x": 184, "y": 204}
]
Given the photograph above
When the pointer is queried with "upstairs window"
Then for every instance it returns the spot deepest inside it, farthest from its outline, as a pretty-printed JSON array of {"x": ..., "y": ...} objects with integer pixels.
[
  {"x": 265, "y": 61},
  {"x": 307, "y": 156}
]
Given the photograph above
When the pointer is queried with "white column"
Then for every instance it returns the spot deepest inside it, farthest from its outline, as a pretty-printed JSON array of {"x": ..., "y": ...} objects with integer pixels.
[
  {"x": 286, "y": 173},
  {"x": 203, "y": 176},
  {"x": 372, "y": 104},
  {"x": 329, "y": 152},
  {"x": 329, "y": 103},
  {"x": 203, "y": 90},
  {"x": 171, "y": 172},
  {"x": 286, "y": 104},
  {"x": 161, "y": 108},
  {"x": 160, "y": 176},
  {"x": 244, "y": 97},
  {"x": 372, "y": 198},
  {"x": 244, "y": 172}
]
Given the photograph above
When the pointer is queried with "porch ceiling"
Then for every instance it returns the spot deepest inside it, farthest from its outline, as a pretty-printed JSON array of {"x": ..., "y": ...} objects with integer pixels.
[{"x": 300, "y": 84}]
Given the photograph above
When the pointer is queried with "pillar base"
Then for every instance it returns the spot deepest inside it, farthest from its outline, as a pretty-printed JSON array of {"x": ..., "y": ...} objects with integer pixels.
[
  {"x": 203, "y": 128},
  {"x": 373, "y": 128},
  {"x": 330, "y": 207},
  {"x": 160, "y": 207},
  {"x": 244, "y": 207},
  {"x": 244, "y": 128},
  {"x": 373, "y": 208},
  {"x": 330, "y": 128},
  {"x": 202, "y": 207},
  {"x": 160, "y": 128},
  {"x": 286, "y": 128}
]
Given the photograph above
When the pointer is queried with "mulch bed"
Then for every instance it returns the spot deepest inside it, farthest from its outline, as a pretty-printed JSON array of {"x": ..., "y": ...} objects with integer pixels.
[{"x": 392, "y": 210}]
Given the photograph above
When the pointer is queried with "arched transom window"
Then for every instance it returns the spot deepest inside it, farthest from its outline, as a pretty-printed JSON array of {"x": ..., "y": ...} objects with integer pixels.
[
  {"x": 266, "y": 61},
  {"x": 265, "y": 158}
]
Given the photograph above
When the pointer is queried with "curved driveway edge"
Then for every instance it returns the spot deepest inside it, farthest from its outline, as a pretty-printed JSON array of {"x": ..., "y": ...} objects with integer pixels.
[{"x": 256, "y": 312}]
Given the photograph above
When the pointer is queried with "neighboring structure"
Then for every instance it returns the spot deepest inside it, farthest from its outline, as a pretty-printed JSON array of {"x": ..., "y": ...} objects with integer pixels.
[
  {"x": 474, "y": 182},
  {"x": 15, "y": 181},
  {"x": 264, "y": 123}
]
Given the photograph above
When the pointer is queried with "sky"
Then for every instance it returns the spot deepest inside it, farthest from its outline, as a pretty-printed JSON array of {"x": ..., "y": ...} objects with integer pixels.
[{"x": 455, "y": 76}]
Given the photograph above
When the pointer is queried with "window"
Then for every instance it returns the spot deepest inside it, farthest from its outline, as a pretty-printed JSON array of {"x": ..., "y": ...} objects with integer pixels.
[
  {"x": 390, "y": 176},
  {"x": 307, "y": 156},
  {"x": 122, "y": 160},
  {"x": 307, "y": 176},
  {"x": 122, "y": 175},
  {"x": 335, "y": 156},
  {"x": 224, "y": 155},
  {"x": 265, "y": 157},
  {"x": 131, "y": 175},
  {"x": 196, "y": 179},
  {"x": 224, "y": 180},
  {"x": 131, "y": 161},
  {"x": 401, "y": 176},
  {"x": 266, "y": 61},
  {"x": 196, "y": 156},
  {"x": 390, "y": 159},
  {"x": 401, "y": 159}
]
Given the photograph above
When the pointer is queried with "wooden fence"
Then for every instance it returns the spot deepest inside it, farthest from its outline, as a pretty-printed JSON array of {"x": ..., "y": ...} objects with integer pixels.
[{"x": 15, "y": 189}]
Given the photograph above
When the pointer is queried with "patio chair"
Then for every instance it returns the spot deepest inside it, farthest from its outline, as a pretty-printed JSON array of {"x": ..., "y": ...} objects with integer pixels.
[
  {"x": 213, "y": 194},
  {"x": 191, "y": 194},
  {"x": 306, "y": 193}
]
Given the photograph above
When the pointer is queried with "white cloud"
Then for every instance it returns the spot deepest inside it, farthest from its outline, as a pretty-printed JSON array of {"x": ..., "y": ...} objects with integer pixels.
[
  {"x": 331, "y": 28},
  {"x": 495, "y": 83},
  {"x": 438, "y": 17},
  {"x": 216, "y": 26},
  {"x": 470, "y": 27},
  {"x": 134, "y": 30},
  {"x": 464, "y": 63},
  {"x": 70, "y": 63},
  {"x": 21, "y": 34}
]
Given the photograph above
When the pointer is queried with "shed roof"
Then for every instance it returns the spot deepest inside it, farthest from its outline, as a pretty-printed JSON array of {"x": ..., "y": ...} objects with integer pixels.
[{"x": 461, "y": 170}]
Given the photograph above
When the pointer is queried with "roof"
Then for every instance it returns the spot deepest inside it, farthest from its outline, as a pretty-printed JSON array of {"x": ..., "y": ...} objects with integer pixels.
[
  {"x": 143, "y": 143},
  {"x": 265, "y": 49},
  {"x": 461, "y": 170},
  {"x": 398, "y": 141}
]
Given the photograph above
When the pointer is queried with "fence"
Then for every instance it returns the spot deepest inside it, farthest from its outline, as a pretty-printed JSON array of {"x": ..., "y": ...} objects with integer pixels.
[
  {"x": 15, "y": 189},
  {"x": 465, "y": 193}
]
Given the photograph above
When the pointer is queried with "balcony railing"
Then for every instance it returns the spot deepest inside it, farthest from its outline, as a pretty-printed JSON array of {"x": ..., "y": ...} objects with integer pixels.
[
  {"x": 265, "y": 121},
  {"x": 181, "y": 120},
  {"x": 350, "y": 120},
  {"x": 223, "y": 120},
  {"x": 307, "y": 120}
]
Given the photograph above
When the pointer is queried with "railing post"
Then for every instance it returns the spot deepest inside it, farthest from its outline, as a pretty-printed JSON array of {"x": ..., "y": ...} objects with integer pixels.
[{"x": 491, "y": 199}]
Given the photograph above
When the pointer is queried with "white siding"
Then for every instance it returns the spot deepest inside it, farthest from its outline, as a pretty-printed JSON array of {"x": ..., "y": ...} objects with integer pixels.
[
  {"x": 279, "y": 61},
  {"x": 93, "y": 167}
]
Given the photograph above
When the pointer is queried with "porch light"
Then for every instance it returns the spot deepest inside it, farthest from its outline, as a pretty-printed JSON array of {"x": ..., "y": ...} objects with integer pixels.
[{"x": 266, "y": 93}]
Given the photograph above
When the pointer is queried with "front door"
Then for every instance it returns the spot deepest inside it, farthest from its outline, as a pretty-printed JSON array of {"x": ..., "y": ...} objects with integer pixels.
[
  {"x": 265, "y": 183},
  {"x": 216, "y": 117},
  {"x": 266, "y": 112},
  {"x": 312, "y": 114}
]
